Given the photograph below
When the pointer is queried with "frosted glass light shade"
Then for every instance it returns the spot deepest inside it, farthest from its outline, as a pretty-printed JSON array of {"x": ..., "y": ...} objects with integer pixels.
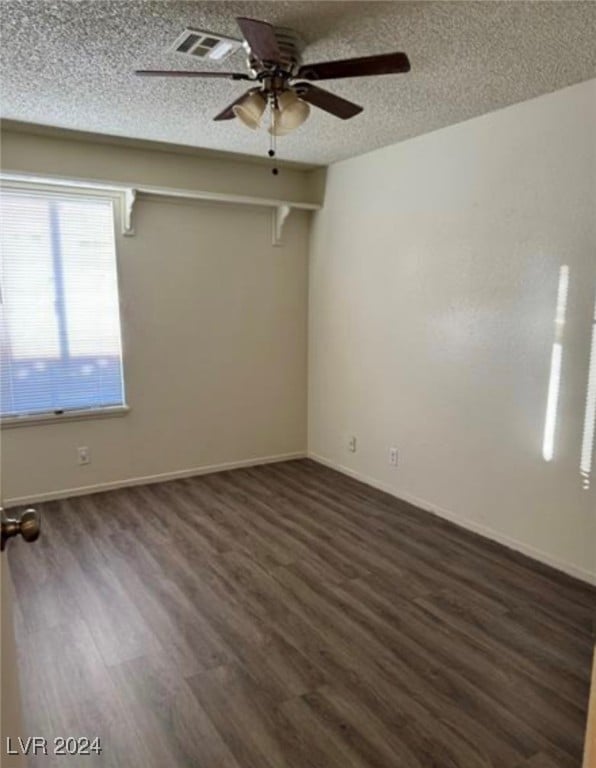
[
  {"x": 250, "y": 110},
  {"x": 291, "y": 112}
]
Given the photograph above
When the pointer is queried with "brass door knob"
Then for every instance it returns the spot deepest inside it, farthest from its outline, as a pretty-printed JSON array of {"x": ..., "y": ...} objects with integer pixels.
[{"x": 29, "y": 526}]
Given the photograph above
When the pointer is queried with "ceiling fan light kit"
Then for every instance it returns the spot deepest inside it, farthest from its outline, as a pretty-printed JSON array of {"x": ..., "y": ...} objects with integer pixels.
[
  {"x": 288, "y": 113},
  {"x": 251, "y": 109},
  {"x": 274, "y": 62}
]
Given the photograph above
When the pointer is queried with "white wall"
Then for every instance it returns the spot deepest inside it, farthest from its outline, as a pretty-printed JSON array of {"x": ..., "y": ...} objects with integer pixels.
[
  {"x": 214, "y": 325},
  {"x": 433, "y": 285}
]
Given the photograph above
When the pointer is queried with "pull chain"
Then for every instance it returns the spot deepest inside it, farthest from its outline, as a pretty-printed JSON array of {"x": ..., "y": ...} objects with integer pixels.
[{"x": 272, "y": 137}]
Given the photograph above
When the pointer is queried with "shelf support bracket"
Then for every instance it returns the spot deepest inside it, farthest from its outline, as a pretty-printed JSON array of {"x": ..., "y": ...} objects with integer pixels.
[
  {"x": 127, "y": 202},
  {"x": 280, "y": 214}
]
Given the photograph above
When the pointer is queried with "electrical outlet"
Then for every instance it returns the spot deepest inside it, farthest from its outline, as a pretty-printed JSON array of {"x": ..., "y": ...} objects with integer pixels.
[
  {"x": 393, "y": 457},
  {"x": 352, "y": 443},
  {"x": 83, "y": 455}
]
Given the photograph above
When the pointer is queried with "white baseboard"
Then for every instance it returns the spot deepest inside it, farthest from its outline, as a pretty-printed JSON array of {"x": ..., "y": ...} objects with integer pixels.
[
  {"x": 147, "y": 479},
  {"x": 463, "y": 522}
]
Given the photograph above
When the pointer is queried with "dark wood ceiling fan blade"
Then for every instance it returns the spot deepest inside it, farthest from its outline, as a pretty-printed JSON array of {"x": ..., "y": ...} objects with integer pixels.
[
  {"x": 191, "y": 73},
  {"x": 228, "y": 113},
  {"x": 327, "y": 101},
  {"x": 384, "y": 64},
  {"x": 261, "y": 38}
]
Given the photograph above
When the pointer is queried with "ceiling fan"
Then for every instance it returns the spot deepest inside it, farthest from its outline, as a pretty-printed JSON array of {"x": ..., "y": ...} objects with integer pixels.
[{"x": 275, "y": 63}]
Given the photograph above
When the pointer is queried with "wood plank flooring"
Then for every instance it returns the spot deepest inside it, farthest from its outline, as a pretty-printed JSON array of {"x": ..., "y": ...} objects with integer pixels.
[{"x": 287, "y": 616}]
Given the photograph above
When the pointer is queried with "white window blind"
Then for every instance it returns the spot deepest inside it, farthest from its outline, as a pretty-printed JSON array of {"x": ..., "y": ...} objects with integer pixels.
[{"x": 59, "y": 315}]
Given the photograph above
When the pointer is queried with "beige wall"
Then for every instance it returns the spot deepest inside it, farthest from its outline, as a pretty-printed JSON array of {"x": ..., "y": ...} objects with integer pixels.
[
  {"x": 214, "y": 325},
  {"x": 69, "y": 153},
  {"x": 433, "y": 285}
]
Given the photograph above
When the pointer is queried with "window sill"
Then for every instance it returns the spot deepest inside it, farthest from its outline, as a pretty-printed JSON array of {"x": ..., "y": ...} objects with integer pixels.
[{"x": 58, "y": 418}]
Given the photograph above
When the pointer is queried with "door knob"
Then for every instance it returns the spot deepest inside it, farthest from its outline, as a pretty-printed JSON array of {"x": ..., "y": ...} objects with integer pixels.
[{"x": 29, "y": 526}]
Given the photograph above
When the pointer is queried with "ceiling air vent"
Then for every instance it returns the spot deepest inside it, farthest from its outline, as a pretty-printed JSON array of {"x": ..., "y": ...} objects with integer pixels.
[{"x": 205, "y": 45}]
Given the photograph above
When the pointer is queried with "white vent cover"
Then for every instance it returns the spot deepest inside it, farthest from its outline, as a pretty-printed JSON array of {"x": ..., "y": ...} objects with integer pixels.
[{"x": 205, "y": 45}]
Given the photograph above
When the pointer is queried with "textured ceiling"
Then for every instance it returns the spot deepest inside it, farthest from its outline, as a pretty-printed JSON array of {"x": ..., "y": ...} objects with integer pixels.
[{"x": 70, "y": 64}]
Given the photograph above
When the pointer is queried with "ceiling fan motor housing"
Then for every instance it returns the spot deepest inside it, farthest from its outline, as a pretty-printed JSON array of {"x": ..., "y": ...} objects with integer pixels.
[{"x": 290, "y": 46}]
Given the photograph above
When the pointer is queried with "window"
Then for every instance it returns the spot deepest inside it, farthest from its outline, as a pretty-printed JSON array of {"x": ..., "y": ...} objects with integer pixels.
[{"x": 59, "y": 316}]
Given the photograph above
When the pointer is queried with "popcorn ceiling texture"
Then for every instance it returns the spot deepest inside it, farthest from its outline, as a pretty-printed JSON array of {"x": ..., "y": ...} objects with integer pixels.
[{"x": 70, "y": 64}]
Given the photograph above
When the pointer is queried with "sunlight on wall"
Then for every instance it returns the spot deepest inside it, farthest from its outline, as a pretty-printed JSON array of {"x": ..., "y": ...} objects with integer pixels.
[
  {"x": 552, "y": 401},
  {"x": 585, "y": 466}
]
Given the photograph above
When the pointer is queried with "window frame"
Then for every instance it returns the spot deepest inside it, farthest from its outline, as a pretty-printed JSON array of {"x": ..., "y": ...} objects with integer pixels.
[{"x": 119, "y": 202}]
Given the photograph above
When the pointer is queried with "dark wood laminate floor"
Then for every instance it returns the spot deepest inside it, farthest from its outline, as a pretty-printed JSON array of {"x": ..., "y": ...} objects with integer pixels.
[{"x": 290, "y": 617}]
